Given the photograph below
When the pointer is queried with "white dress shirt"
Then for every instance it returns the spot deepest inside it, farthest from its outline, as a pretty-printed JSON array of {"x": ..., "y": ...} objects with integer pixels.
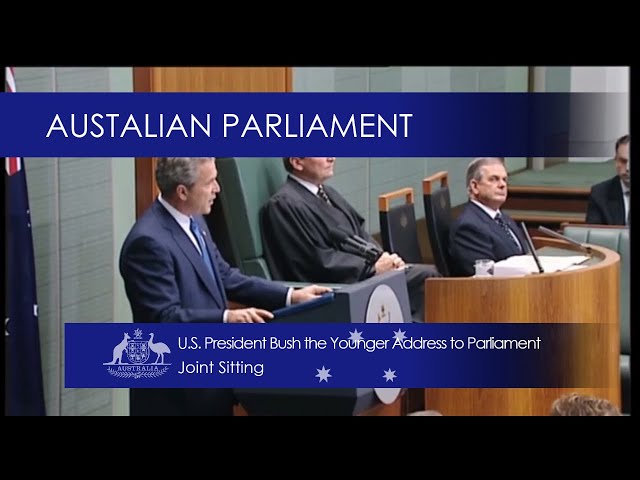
[
  {"x": 626, "y": 196},
  {"x": 312, "y": 187},
  {"x": 183, "y": 220}
]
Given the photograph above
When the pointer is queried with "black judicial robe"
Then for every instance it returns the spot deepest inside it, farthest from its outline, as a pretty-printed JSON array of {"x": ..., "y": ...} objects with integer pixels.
[{"x": 295, "y": 228}]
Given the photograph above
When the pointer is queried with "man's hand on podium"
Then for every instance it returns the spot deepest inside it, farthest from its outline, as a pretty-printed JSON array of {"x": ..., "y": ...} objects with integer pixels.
[
  {"x": 308, "y": 293},
  {"x": 248, "y": 315}
]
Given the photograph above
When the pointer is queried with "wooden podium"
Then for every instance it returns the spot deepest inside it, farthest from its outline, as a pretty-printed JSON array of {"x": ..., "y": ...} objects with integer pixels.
[{"x": 589, "y": 295}]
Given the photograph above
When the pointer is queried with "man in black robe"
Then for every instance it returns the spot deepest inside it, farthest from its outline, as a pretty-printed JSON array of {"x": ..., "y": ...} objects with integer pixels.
[{"x": 296, "y": 225}]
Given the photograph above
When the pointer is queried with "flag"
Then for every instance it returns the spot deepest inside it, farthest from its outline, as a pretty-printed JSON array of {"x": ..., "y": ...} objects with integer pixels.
[{"x": 24, "y": 392}]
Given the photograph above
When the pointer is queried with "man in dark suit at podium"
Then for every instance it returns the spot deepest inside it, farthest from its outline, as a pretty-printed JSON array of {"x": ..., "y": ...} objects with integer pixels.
[
  {"x": 173, "y": 272},
  {"x": 299, "y": 219},
  {"x": 482, "y": 231},
  {"x": 609, "y": 201}
]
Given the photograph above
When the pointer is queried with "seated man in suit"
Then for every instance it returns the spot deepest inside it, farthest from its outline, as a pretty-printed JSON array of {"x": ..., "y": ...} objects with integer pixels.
[
  {"x": 482, "y": 231},
  {"x": 173, "y": 272},
  {"x": 297, "y": 223},
  {"x": 609, "y": 201}
]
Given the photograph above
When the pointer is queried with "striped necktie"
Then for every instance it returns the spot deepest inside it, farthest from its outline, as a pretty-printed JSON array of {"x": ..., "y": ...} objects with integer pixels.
[
  {"x": 500, "y": 221},
  {"x": 323, "y": 195}
]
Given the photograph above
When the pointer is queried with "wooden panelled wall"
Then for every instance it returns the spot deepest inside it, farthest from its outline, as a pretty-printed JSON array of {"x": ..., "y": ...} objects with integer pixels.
[{"x": 199, "y": 79}]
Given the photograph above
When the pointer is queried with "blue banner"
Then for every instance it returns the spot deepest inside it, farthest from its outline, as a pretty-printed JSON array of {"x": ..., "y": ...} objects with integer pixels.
[
  {"x": 24, "y": 394},
  {"x": 318, "y": 355},
  {"x": 301, "y": 124}
]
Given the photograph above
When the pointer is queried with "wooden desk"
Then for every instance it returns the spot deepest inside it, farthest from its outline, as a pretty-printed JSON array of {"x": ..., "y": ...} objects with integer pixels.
[{"x": 588, "y": 295}]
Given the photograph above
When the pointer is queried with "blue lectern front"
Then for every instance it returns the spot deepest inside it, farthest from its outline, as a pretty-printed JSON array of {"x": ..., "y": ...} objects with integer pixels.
[{"x": 380, "y": 299}]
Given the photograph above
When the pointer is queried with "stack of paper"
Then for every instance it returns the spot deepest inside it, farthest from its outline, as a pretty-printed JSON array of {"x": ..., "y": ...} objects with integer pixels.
[{"x": 526, "y": 264}]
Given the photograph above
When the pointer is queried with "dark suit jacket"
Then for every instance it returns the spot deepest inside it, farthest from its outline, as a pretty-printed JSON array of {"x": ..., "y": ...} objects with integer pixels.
[
  {"x": 474, "y": 235},
  {"x": 295, "y": 227},
  {"x": 606, "y": 203},
  {"x": 166, "y": 280}
]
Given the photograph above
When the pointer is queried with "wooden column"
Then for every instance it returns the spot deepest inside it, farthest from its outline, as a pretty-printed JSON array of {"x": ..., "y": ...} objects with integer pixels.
[
  {"x": 199, "y": 79},
  {"x": 588, "y": 296}
]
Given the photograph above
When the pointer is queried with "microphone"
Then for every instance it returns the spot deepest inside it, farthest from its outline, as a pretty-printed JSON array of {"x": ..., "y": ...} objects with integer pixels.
[
  {"x": 531, "y": 246},
  {"x": 585, "y": 248},
  {"x": 355, "y": 245}
]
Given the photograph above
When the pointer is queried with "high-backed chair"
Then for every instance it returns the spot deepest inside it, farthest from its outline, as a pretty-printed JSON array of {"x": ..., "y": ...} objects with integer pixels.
[
  {"x": 437, "y": 212},
  {"x": 615, "y": 238},
  {"x": 398, "y": 228},
  {"x": 246, "y": 185}
]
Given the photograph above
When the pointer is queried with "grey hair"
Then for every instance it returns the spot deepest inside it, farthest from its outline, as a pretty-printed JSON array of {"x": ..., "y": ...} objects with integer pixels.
[
  {"x": 174, "y": 171},
  {"x": 580, "y": 405},
  {"x": 425, "y": 413},
  {"x": 474, "y": 170}
]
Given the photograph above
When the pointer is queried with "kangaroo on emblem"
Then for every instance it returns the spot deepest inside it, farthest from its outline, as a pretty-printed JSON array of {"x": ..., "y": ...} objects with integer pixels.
[{"x": 118, "y": 349}]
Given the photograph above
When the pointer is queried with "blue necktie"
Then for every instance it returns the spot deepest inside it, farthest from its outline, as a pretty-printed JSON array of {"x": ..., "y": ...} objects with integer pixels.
[
  {"x": 204, "y": 251},
  {"x": 506, "y": 228}
]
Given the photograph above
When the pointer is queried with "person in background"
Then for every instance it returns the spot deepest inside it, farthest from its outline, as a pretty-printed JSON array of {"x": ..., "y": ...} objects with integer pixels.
[
  {"x": 298, "y": 220},
  {"x": 482, "y": 231},
  {"x": 425, "y": 413},
  {"x": 579, "y": 405},
  {"x": 609, "y": 201}
]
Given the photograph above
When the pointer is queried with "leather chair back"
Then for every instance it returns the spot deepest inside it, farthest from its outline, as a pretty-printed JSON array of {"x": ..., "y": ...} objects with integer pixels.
[
  {"x": 437, "y": 211},
  {"x": 245, "y": 186},
  {"x": 398, "y": 228}
]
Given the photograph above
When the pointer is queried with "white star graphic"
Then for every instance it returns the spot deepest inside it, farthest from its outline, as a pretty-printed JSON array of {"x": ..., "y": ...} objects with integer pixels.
[
  {"x": 389, "y": 375},
  {"x": 355, "y": 336},
  {"x": 323, "y": 374},
  {"x": 399, "y": 335}
]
